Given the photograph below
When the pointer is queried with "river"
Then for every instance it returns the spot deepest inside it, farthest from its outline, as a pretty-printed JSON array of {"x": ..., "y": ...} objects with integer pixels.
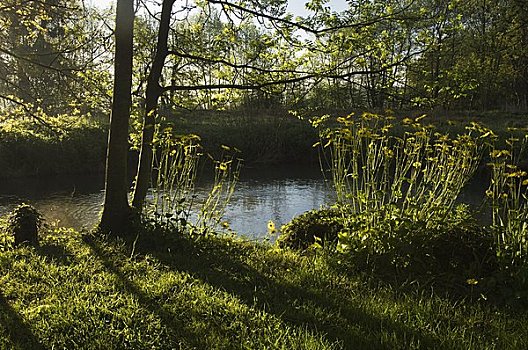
[{"x": 276, "y": 193}]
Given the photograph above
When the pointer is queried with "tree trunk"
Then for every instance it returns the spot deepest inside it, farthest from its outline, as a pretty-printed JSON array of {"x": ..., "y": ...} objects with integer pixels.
[
  {"x": 153, "y": 93},
  {"x": 116, "y": 209}
]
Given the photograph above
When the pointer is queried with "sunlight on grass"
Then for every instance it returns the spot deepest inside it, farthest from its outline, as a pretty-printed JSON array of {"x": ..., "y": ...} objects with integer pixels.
[{"x": 80, "y": 291}]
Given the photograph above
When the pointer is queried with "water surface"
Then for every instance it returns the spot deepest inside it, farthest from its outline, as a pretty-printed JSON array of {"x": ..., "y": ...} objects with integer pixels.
[{"x": 276, "y": 193}]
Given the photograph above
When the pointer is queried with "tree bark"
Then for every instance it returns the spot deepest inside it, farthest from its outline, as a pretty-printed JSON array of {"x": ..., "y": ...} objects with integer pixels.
[
  {"x": 153, "y": 93},
  {"x": 116, "y": 208}
]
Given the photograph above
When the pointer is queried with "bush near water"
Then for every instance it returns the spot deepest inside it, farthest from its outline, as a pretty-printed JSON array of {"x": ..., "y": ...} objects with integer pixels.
[{"x": 396, "y": 215}]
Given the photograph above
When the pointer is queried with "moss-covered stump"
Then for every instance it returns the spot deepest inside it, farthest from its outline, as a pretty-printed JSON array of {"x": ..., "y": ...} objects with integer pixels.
[
  {"x": 311, "y": 227},
  {"x": 24, "y": 223}
]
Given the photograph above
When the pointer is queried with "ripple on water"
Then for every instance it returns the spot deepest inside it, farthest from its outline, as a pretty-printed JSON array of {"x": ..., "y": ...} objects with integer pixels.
[
  {"x": 254, "y": 203},
  {"x": 277, "y": 194}
]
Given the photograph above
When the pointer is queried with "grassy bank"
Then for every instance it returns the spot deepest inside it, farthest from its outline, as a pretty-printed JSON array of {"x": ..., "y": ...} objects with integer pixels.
[
  {"x": 262, "y": 137},
  {"x": 274, "y": 136},
  {"x": 72, "y": 146},
  {"x": 167, "y": 291},
  {"x": 76, "y": 145}
]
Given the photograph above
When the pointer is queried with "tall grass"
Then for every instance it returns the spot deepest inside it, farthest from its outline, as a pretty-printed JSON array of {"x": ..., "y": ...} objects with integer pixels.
[
  {"x": 227, "y": 171},
  {"x": 175, "y": 203},
  {"x": 418, "y": 170},
  {"x": 175, "y": 165},
  {"x": 508, "y": 194}
]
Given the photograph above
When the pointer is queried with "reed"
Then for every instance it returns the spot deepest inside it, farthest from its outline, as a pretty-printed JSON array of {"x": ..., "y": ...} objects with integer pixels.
[
  {"x": 418, "y": 170},
  {"x": 175, "y": 204}
]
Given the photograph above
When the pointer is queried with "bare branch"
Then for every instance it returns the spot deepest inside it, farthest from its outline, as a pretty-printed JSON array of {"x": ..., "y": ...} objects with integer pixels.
[
  {"x": 231, "y": 64},
  {"x": 257, "y": 86},
  {"x": 306, "y": 28}
]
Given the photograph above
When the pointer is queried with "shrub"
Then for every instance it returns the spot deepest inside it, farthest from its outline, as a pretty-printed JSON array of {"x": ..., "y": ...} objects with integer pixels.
[
  {"x": 452, "y": 252},
  {"x": 24, "y": 223},
  {"x": 454, "y": 246},
  {"x": 302, "y": 231}
]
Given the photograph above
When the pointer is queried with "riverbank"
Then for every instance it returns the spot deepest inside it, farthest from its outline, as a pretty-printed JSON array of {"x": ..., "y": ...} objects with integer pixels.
[
  {"x": 168, "y": 291},
  {"x": 31, "y": 149},
  {"x": 264, "y": 137},
  {"x": 267, "y": 137}
]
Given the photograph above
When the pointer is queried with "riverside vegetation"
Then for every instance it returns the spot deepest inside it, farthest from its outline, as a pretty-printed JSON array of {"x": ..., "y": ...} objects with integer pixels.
[
  {"x": 62, "y": 145},
  {"x": 395, "y": 263},
  {"x": 75, "y": 145},
  {"x": 397, "y": 214}
]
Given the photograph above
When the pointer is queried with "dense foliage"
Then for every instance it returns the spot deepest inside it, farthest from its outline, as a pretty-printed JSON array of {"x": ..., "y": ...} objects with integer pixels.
[
  {"x": 397, "y": 215},
  {"x": 314, "y": 228},
  {"x": 55, "y": 56}
]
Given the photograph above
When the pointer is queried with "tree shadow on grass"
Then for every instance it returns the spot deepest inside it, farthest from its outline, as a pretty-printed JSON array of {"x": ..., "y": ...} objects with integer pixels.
[
  {"x": 56, "y": 253},
  {"x": 13, "y": 326},
  {"x": 170, "y": 319},
  {"x": 223, "y": 265}
]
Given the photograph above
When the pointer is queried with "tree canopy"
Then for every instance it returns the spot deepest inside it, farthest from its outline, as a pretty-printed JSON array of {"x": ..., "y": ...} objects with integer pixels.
[{"x": 224, "y": 54}]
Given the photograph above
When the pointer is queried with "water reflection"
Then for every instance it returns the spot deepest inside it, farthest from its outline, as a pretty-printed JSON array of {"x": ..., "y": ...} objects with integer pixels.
[
  {"x": 273, "y": 193},
  {"x": 254, "y": 204}
]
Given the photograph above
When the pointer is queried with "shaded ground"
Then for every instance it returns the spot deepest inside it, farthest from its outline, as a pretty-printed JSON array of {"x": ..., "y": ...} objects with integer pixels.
[{"x": 165, "y": 292}]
